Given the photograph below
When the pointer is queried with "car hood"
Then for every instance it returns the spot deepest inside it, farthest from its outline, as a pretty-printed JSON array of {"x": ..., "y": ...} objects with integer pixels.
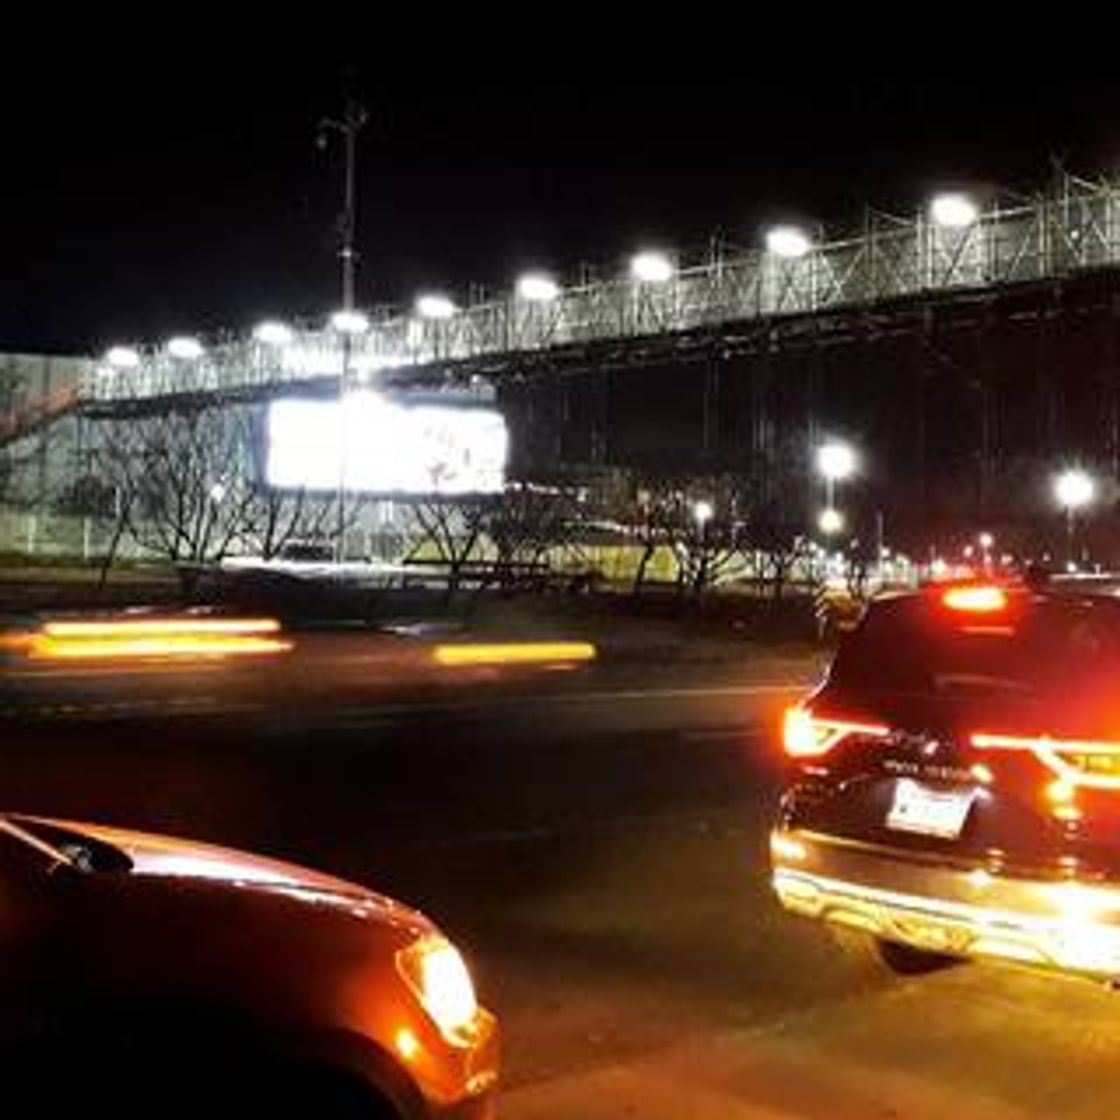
[{"x": 156, "y": 855}]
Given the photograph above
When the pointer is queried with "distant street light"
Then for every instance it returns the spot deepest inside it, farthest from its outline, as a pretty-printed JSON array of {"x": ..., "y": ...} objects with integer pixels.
[
  {"x": 836, "y": 461},
  {"x": 122, "y": 357},
  {"x": 702, "y": 511},
  {"x": 273, "y": 333},
  {"x": 434, "y": 307},
  {"x": 831, "y": 521},
  {"x": 954, "y": 211},
  {"x": 187, "y": 349},
  {"x": 1074, "y": 490},
  {"x": 788, "y": 242},
  {"x": 217, "y": 492},
  {"x": 537, "y": 288},
  {"x": 651, "y": 268},
  {"x": 986, "y": 540}
]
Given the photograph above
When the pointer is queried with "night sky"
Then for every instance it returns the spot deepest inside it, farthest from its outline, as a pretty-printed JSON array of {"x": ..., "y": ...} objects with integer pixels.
[{"x": 144, "y": 200}]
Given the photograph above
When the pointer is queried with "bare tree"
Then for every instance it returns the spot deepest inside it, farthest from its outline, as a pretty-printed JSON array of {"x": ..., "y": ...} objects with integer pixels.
[
  {"x": 453, "y": 529},
  {"x": 654, "y": 524},
  {"x": 277, "y": 518},
  {"x": 708, "y": 549},
  {"x": 10, "y": 385},
  {"x": 699, "y": 522},
  {"x": 523, "y": 524},
  {"x": 181, "y": 483},
  {"x": 778, "y": 545}
]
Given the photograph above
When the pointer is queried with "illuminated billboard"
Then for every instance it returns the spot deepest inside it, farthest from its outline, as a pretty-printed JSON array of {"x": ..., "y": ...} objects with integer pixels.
[{"x": 375, "y": 445}]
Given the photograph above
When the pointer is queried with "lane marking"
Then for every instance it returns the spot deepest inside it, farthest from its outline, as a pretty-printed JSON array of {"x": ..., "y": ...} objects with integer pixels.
[{"x": 390, "y": 711}]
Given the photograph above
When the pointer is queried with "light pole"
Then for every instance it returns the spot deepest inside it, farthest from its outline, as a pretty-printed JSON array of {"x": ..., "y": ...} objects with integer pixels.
[
  {"x": 836, "y": 461},
  {"x": 985, "y": 541},
  {"x": 1074, "y": 490},
  {"x": 353, "y": 120},
  {"x": 347, "y": 323}
]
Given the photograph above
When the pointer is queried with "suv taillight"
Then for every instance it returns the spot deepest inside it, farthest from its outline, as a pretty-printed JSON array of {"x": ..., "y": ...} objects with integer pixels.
[
  {"x": 805, "y": 735},
  {"x": 1075, "y": 762}
]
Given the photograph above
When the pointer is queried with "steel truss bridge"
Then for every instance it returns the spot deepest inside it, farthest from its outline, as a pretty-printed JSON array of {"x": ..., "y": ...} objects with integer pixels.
[{"x": 1071, "y": 231}]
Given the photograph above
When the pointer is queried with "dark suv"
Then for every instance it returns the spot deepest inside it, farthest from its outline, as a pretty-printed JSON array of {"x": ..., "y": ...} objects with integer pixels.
[{"x": 955, "y": 781}]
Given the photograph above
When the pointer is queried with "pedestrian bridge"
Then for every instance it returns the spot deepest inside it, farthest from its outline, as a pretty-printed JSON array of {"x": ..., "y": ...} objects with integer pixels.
[{"x": 1074, "y": 229}]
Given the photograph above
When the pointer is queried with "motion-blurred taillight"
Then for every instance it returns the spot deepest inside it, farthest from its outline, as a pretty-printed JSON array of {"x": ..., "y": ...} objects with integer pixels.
[
  {"x": 1075, "y": 762},
  {"x": 805, "y": 735}
]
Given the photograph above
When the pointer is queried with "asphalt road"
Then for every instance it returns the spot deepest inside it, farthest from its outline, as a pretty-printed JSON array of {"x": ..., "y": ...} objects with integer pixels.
[{"x": 596, "y": 842}]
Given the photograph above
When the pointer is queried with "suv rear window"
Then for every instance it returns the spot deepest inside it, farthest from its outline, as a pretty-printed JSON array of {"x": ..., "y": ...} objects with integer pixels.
[{"x": 1040, "y": 647}]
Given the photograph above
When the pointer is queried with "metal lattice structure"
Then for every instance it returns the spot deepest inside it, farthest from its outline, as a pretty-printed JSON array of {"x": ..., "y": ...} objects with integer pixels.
[{"x": 1075, "y": 229}]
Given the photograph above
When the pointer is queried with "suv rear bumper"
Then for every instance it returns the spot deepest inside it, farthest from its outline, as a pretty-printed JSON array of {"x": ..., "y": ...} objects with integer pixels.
[{"x": 1058, "y": 923}]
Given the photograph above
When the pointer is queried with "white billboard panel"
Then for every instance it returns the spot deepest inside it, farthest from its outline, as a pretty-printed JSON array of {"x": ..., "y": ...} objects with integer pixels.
[{"x": 379, "y": 446}]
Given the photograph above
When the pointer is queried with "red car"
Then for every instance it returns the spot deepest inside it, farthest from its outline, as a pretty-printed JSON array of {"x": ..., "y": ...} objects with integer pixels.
[{"x": 160, "y": 977}]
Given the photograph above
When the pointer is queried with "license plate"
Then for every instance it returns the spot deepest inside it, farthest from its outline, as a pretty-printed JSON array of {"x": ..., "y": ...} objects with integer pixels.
[{"x": 917, "y": 808}]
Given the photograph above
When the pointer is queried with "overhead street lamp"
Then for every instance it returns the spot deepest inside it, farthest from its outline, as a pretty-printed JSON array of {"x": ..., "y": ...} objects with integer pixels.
[
  {"x": 986, "y": 540},
  {"x": 1074, "y": 490},
  {"x": 536, "y": 287},
  {"x": 273, "y": 333},
  {"x": 434, "y": 307},
  {"x": 651, "y": 268},
  {"x": 122, "y": 357},
  {"x": 836, "y": 461},
  {"x": 788, "y": 242},
  {"x": 953, "y": 210},
  {"x": 184, "y": 348},
  {"x": 831, "y": 521},
  {"x": 703, "y": 512}
]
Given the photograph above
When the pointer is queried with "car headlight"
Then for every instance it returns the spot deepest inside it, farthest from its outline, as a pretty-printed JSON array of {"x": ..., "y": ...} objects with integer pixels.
[{"x": 436, "y": 972}]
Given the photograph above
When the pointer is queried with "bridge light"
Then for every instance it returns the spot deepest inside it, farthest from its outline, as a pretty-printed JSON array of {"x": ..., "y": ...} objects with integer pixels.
[
  {"x": 537, "y": 288},
  {"x": 122, "y": 357},
  {"x": 651, "y": 268},
  {"x": 185, "y": 348},
  {"x": 272, "y": 333},
  {"x": 953, "y": 211},
  {"x": 350, "y": 322},
  {"x": 434, "y": 307},
  {"x": 788, "y": 242}
]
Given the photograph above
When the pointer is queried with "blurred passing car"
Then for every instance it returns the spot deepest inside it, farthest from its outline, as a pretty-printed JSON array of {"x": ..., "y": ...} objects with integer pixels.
[
  {"x": 954, "y": 788},
  {"x": 149, "y": 976}
]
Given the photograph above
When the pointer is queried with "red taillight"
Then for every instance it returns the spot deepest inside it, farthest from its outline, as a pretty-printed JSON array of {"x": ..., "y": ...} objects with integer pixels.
[
  {"x": 982, "y": 599},
  {"x": 805, "y": 735},
  {"x": 1077, "y": 762}
]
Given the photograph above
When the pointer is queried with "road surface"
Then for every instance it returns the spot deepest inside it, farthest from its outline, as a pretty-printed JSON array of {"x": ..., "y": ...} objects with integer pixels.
[{"x": 596, "y": 842}]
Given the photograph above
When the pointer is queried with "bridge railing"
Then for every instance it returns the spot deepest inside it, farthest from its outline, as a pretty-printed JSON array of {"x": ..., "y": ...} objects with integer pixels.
[{"x": 1079, "y": 228}]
